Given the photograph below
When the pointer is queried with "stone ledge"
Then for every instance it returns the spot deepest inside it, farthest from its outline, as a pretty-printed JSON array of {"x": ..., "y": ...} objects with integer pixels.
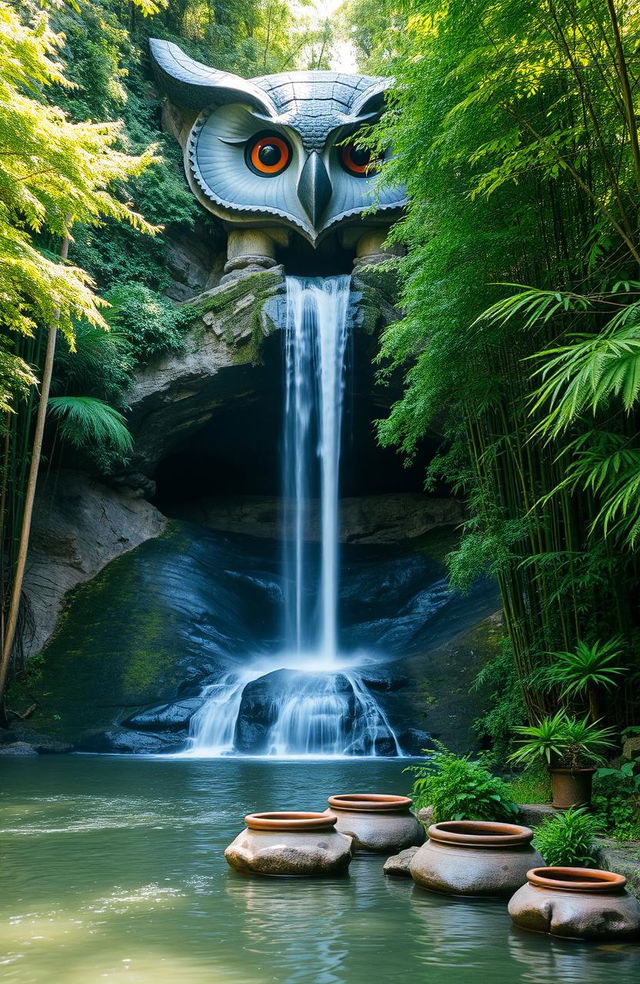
[
  {"x": 532, "y": 814},
  {"x": 623, "y": 857}
]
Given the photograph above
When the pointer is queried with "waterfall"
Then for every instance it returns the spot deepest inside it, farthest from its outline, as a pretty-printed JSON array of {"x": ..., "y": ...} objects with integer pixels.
[
  {"x": 316, "y": 336},
  {"x": 312, "y": 698}
]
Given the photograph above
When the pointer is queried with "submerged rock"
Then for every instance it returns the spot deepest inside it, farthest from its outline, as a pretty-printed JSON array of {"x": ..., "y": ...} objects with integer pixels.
[
  {"x": 398, "y": 864},
  {"x": 20, "y": 749},
  {"x": 130, "y": 742}
]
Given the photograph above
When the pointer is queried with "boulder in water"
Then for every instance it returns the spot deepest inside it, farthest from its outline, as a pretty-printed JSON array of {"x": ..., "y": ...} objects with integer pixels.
[
  {"x": 165, "y": 717},
  {"x": 398, "y": 864},
  {"x": 289, "y": 710},
  {"x": 130, "y": 743}
]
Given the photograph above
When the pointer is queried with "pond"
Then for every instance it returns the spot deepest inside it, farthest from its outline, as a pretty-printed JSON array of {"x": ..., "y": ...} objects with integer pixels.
[{"x": 113, "y": 871}]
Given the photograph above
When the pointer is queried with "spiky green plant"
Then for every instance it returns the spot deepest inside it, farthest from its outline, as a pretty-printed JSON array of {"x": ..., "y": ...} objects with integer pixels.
[
  {"x": 563, "y": 741},
  {"x": 587, "y": 671},
  {"x": 568, "y": 839}
]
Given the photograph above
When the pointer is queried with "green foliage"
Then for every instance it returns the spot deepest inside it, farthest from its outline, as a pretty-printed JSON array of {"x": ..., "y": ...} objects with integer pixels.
[
  {"x": 96, "y": 376},
  {"x": 616, "y": 800},
  {"x": 86, "y": 421},
  {"x": 568, "y": 839},
  {"x": 152, "y": 324},
  {"x": 39, "y": 141},
  {"x": 531, "y": 786},
  {"x": 460, "y": 789},
  {"x": 506, "y": 708},
  {"x": 585, "y": 671},
  {"x": 520, "y": 158},
  {"x": 563, "y": 741}
]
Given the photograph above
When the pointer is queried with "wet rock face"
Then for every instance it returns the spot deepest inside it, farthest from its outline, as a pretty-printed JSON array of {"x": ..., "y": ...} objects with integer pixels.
[
  {"x": 218, "y": 365},
  {"x": 263, "y": 697},
  {"x": 77, "y": 530},
  {"x": 312, "y": 854},
  {"x": 365, "y": 519},
  {"x": 193, "y": 267},
  {"x": 141, "y": 641}
]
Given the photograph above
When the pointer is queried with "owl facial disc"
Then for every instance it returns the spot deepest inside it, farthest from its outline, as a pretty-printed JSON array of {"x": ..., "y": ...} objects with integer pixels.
[{"x": 280, "y": 149}]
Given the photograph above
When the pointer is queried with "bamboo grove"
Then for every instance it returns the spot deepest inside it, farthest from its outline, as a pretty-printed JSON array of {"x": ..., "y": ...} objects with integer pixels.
[{"x": 514, "y": 128}]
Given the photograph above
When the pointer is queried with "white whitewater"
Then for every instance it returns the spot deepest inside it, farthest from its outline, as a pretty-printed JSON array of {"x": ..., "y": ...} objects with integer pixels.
[
  {"x": 316, "y": 337},
  {"x": 321, "y": 706}
]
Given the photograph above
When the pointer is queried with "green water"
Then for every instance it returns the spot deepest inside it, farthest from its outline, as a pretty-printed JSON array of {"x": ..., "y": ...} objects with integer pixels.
[{"x": 112, "y": 871}]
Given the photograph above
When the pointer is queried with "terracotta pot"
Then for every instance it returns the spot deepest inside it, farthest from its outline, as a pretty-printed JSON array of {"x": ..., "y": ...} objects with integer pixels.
[
  {"x": 376, "y": 822},
  {"x": 579, "y": 903},
  {"x": 474, "y": 857},
  {"x": 301, "y": 844},
  {"x": 571, "y": 787},
  {"x": 289, "y": 821}
]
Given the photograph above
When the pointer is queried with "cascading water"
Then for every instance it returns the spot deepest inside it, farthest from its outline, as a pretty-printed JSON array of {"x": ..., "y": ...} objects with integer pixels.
[
  {"x": 317, "y": 701},
  {"x": 315, "y": 344}
]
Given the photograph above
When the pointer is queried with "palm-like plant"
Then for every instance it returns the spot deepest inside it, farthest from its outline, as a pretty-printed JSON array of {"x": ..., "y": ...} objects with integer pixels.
[
  {"x": 584, "y": 742},
  {"x": 563, "y": 741},
  {"x": 544, "y": 740},
  {"x": 86, "y": 420},
  {"x": 587, "y": 671}
]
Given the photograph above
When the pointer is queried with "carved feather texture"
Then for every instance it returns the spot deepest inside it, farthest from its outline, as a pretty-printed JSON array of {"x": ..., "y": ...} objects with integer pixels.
[{"x": 313, "y": 111}]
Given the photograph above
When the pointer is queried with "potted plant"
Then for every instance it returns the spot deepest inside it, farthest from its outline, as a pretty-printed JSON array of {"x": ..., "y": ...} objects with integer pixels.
[{"x": 572, "y": 748}]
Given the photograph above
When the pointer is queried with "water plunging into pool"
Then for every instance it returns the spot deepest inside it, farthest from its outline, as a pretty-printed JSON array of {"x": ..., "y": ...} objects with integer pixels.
[{"x": 316, "y": 700}]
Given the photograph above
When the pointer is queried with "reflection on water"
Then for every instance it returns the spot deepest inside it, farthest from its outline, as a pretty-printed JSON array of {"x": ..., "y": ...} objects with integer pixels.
[{"x": 113, "y": 872}]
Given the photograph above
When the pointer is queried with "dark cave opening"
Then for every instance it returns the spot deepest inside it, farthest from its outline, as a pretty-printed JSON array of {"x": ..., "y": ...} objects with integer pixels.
[
  {"x": 239, "y": 450},
  {"x": 329, "y": 259}
]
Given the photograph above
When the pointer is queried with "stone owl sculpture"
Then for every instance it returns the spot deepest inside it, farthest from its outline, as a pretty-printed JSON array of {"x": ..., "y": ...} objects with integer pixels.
[{"x": 279, "y": 149}]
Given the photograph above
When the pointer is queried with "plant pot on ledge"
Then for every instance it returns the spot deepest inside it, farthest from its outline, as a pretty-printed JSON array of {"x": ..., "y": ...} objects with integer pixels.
[
  {"x": 571, "y": 787},
  {"x": 571, "y": 748}
]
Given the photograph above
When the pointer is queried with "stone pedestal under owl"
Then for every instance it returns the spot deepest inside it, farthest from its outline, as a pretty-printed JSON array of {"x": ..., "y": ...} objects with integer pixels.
[{"x": 276, "y": 157}]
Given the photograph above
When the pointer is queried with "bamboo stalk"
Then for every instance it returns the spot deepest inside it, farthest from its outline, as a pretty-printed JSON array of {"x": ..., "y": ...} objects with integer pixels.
[{"x": 27, "y": 515}]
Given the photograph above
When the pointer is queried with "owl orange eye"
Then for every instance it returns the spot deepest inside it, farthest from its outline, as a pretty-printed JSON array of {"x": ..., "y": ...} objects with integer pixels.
[
  {"x": 358, "y": 161},
  {"x": 268, "y": 155}
]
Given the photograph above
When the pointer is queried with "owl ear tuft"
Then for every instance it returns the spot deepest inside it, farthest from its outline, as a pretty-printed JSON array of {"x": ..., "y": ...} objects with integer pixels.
[
  {"x": 192, "y": 84},
  {"x": 371, "y": 102}
]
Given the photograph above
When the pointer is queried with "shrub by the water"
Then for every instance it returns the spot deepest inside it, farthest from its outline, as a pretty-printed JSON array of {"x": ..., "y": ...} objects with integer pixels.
[
  {"x": 459, "y": 789},
  {"x": 568, "y": 839}
]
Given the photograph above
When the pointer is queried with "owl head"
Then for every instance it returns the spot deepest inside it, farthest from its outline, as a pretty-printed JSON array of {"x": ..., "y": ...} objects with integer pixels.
[{"x": 279, "y": 149}]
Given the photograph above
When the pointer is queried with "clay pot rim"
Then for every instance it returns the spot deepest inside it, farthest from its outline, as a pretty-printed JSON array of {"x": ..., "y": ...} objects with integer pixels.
[
  {"x": 480, "y": 833},
  {"x": 593, "y": 879},
  {"x": 369, "y": 802},
  {"x": 566, "y": 771},
  {"x": 289, "y": 820}
]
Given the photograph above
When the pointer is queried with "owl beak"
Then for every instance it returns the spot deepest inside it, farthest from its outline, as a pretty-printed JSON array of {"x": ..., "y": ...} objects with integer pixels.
[{"x": 314, "y": 187}]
